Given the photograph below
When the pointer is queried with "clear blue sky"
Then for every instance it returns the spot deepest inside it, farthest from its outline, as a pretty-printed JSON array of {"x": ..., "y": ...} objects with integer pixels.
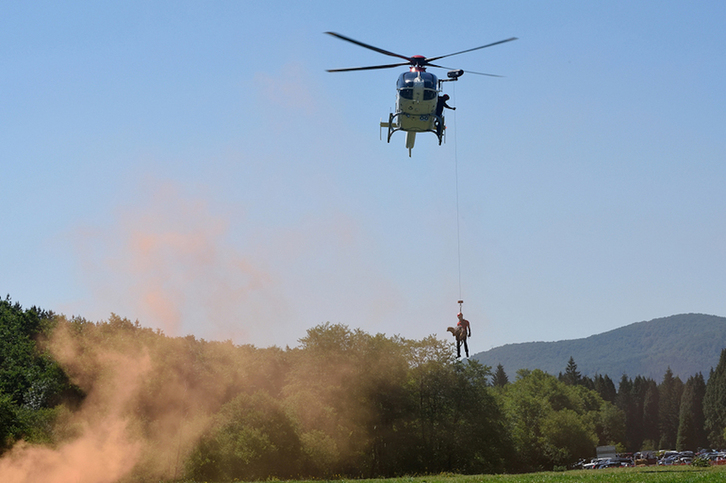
[{"x": 192, "y": 165}]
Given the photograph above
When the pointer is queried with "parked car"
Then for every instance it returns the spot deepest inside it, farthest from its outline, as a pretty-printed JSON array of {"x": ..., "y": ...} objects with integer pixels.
[
  {"x": 594, "y": 464},
  {"x": 668, "y": 460},
  {"x": 615, "y": 462}
]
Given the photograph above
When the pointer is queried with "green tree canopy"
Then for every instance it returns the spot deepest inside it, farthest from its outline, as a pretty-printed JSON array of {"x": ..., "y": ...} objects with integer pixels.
[
  {"x": 551, "y": 423},
  {"x": 31, "y": 382}
]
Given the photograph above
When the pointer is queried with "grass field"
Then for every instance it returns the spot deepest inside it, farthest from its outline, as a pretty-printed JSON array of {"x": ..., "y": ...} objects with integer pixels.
[{"x": 682, "y": 474}]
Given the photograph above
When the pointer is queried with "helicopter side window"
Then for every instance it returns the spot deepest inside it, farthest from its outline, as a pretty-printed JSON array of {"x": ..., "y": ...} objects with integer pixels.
[
  {"x": 406, "y": 93},
  {"x": 429, "y": 94}
]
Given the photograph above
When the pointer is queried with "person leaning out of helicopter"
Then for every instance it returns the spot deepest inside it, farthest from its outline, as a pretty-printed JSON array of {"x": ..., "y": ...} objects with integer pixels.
[{"x": 441, "y": 104}]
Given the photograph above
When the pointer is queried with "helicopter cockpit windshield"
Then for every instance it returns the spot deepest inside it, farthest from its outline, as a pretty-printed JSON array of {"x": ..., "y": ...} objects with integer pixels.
[{"x": 406, "y": 81}]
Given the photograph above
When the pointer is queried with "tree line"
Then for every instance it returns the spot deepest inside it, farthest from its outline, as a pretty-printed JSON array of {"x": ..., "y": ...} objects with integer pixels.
[
  {"x": 668, "y": 415},
  {"x": 343, "y": 403}
]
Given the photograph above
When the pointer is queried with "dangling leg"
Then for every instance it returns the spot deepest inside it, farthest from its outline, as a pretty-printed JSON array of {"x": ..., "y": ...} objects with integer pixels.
[
  {"x": 458, "y": 348},
  {"x": 466, "y": 348}
]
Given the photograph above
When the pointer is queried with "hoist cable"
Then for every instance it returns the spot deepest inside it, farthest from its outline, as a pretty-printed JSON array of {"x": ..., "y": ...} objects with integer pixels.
[{"x": 456, "y": 176}]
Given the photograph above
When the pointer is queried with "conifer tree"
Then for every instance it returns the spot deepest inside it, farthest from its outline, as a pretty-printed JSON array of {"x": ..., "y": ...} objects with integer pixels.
[
  {"x": 714, "y": 404},
  {"x": 626, "y": 403},
  {"x": 500, "y": 378},
  {"x": 572, "y": 376},
  {"x": 691, "y": 432},
  {"x": 669, "y": 394},
  {"x": 605, "y": 387},
  {"x": 635, "y": 430},
  {"x": 651, "y": 431}
]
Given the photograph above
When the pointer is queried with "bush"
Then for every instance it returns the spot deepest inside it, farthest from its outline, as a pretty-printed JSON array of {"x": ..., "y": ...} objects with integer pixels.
[
  {"x": 700, "y": 462},
  {"x": 251, "y": 440}
]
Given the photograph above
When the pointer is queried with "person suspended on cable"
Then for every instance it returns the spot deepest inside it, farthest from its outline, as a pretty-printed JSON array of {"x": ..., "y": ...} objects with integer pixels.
[
  {"x": 464, "y": 332},
  {"x": 463, "y": 323}
]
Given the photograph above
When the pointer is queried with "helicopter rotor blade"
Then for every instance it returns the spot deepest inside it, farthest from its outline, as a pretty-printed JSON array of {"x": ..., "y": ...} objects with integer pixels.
[
  {"x": 467, "y": 71},
  {"x": 370, "y": 67},
  {"x": 376, "y": 49},
  {"x": 470, "y": 50},
  {"x": 482, "y": 73}
]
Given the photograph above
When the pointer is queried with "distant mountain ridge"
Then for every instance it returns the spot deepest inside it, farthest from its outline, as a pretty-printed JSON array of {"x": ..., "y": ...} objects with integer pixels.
[{"x": 687, "y": 343}]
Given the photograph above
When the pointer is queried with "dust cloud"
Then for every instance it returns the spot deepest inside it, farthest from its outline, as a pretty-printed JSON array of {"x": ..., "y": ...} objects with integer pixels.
[
  {"x": 169, "y": 259},
  {"x": 146, "y": 405},
  {"x": 151, "y": 394}
]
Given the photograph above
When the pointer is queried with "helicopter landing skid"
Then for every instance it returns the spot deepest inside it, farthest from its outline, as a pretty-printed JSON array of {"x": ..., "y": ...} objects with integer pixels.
[{"x": 392, "y": 125}]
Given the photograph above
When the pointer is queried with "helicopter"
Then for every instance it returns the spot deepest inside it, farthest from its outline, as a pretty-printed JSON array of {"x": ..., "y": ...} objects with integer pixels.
[{"x": 417, "y": 91}]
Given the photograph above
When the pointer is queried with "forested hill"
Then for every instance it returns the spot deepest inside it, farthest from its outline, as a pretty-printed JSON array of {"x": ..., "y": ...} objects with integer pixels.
[{"x": 687, "y": 343}]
